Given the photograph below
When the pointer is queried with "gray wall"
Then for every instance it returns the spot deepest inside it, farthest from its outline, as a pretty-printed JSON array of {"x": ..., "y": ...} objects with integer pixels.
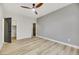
[{"x": 61, "y": 25}]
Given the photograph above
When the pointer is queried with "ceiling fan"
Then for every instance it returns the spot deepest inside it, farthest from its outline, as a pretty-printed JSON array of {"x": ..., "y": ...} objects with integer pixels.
[{"x": 34, "y": 7}]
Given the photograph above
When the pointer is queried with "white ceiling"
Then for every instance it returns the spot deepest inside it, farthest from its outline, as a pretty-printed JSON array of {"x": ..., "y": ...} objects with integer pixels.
[{"x": 43, "y": 10}]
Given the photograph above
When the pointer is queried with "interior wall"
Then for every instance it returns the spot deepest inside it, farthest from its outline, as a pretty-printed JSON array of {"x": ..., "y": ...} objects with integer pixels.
[
  {"x": 61, "y": 25},
  {"x": 23, "y": 25},
  {"x": 1, "y": 26},
  {"x": 13, "y": 31}
]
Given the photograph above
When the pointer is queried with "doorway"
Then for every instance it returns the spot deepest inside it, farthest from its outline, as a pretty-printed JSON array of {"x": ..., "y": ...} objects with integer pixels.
[
  {"x": 34, "y": 29},
  {"x": 7, "y": 30},
  {"x": 13, "y": 33}
]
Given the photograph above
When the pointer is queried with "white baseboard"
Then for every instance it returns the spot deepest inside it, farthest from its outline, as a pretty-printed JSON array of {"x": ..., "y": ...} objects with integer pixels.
[{"x": 74, "y": 46}]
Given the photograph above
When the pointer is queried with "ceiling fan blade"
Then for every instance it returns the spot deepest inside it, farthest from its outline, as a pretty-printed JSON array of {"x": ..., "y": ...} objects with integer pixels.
[
  {"x": 36, "y": 12},
  {"x": 26, "y": 7},
  {"x": 40, "y": 4}
]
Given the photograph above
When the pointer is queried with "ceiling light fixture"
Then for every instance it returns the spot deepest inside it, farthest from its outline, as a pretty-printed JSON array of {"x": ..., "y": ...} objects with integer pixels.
[{"x": 33, "y": 9}]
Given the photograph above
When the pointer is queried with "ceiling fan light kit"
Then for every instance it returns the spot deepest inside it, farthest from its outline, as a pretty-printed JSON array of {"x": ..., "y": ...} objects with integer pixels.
[{"x": 33, "y": 9}]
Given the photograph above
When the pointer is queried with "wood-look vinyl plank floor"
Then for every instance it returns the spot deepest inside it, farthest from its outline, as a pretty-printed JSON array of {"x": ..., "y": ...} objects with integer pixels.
[{"x": 37, "y": 46}]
